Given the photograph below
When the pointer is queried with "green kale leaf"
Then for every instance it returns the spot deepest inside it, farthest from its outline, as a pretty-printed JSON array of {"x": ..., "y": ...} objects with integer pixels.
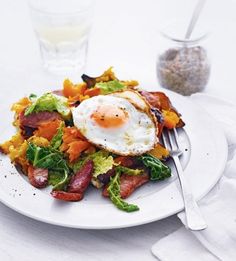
[
  {"x": 46, "y": 158},
  {"x": 114, "y": 193},
  {"x": 51, "y": 159},
  {"x": 158, "y": 170},
  {"x": 111, "y": 86},
  {"x": 32, "y": 97},
  {"x": 102, "y": 162},
  {"x": 129, "y": 171},
  {"x": 58, "y": 179},
  {"x": 49, "y": 102},
  {"x": 57, "y": 138}
]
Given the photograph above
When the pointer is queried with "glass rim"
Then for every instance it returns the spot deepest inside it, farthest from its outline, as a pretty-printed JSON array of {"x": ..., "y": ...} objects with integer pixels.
[{"x": 73, "y": 12}]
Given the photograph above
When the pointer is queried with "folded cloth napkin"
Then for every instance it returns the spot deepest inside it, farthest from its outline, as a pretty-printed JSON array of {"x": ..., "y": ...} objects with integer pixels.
[{"x": 218, "y": 241}]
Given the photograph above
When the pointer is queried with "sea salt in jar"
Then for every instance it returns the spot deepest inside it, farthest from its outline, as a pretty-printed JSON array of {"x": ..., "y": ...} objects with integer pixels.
[{"x": 182, "y": 64}]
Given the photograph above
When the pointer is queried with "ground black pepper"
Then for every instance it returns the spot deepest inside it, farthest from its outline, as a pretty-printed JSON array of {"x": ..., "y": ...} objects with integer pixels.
[{"x": 184, "y": 70}]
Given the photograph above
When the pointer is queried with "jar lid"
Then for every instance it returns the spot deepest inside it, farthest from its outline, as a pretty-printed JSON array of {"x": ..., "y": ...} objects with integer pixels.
[{"x": 176, "y": 30}]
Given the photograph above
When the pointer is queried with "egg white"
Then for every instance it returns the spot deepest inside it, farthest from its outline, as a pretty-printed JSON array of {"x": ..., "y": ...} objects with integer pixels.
[{"x": 135, "y": 137}]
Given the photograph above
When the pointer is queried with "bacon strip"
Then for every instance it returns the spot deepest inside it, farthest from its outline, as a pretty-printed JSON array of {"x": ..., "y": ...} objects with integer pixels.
[
  {"x": 128, "y": 184},
  {"x": 35, "y": 119},
  {"x": 58, "y": 92},
  {"x": 157, "y": 100},
  {"x": 66, "y": 196},
  {"x": 105, "y": 178},
  {"x": 78, "y": 184},
  {"x": 38, "y": 177},
  {"x": 126, "y": 161},
  {"x": 80, "y": 181}
]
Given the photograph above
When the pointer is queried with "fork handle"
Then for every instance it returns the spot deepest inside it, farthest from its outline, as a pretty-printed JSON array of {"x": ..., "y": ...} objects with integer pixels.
[{"x": 194, "y": 218}]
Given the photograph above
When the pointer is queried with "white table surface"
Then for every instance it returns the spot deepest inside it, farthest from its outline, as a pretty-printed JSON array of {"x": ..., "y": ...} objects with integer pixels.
[{"x": 125, "y": 35}]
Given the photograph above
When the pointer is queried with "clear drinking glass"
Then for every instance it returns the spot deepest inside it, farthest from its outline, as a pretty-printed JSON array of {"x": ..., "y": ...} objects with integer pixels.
[
  {"x": 183, "y": 65},
  {"x": 62, "y": 28}
]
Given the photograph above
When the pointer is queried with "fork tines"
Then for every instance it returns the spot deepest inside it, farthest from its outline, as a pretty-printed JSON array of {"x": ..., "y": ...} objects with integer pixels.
[{"x": 169, "y": 139}]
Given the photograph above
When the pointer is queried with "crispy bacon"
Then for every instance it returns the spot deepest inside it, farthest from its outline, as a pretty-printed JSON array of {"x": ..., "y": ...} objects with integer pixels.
[
  {"x": 35, "y": 119},
  {"x": 58, "y": 92},
  {"x": 157, "y": 100},
  {"x": 128, "y": 184},
  {"x": 126, "y": 161},
  {"x": 180, "y": 124},
  {"x": 160, "y": 120},
  {"x": 105, "y": 178},
  {"x": 80, "y": 181},
  {"x": 38, "y": 177},
  {"x": 66, "y": 196},
  {"x": 78, "y": 184}
]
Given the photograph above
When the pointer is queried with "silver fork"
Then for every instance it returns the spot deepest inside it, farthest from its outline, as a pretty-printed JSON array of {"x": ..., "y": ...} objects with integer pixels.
[{"x": 194, "y": 218}]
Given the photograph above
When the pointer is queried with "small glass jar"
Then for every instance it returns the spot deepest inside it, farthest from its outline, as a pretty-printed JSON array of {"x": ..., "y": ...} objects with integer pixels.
[{"x": 183, "y": 65}]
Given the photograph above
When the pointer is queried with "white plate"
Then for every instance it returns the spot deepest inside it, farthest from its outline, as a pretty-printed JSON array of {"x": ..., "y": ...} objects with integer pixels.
[{"x": 204, "y": 166}]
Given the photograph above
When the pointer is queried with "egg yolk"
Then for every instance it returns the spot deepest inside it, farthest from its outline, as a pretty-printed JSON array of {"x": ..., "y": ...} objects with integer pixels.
[{"x": 108, "y": 116}]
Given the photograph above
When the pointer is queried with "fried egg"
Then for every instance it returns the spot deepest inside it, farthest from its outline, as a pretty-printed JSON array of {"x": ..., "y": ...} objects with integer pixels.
[{"x": 121, "y": 123}]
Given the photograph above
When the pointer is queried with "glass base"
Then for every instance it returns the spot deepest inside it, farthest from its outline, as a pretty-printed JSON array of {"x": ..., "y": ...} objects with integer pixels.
[{"x": 64, "y": 58}]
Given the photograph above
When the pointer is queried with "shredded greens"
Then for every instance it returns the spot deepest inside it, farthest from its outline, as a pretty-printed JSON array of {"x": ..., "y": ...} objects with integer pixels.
[
  {"x": 111, "y": 86},
  {"x": 129, "y": 171},
  {"x": 58, "y": 179},
  {"x": 102, "y": 162},
  {"x": 114, "y": 193},
  {"x": 78, "y": 164},
  {"x": 158, "y": 170},
  {"x": 51, "y": 159},
  {"x": 49, "y": 102},
  {"x": 57, "y": 138},
  {"x": 46, "y": 158},
  {"x": 32, "y": 96}
]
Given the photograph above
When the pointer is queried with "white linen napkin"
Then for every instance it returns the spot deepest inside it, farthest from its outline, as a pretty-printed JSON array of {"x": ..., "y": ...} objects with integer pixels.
[{"x": 218, "y": 241}]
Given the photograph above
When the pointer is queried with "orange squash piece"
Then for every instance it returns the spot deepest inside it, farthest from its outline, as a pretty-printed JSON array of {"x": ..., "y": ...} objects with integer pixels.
[
  {"x": 171, "y": 119},
  {"x": 20, "y": 106},
  {"x": 77, "y": 98},
  {"x": 159, "y": 152},
  {"x": 47, "y": 129},
  {"x": 75, "y": 149},
  {"x": 73, "y": 143},
  {"x": 72, "y": 90},
  {"x": 16, "y": 149},
  {"x": 92, "y": 92},
  {"x": 71, "y": 134}
]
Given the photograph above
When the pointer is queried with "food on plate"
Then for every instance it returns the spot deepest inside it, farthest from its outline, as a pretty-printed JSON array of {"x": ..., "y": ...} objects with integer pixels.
[{"x": 102, "y": 132}]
